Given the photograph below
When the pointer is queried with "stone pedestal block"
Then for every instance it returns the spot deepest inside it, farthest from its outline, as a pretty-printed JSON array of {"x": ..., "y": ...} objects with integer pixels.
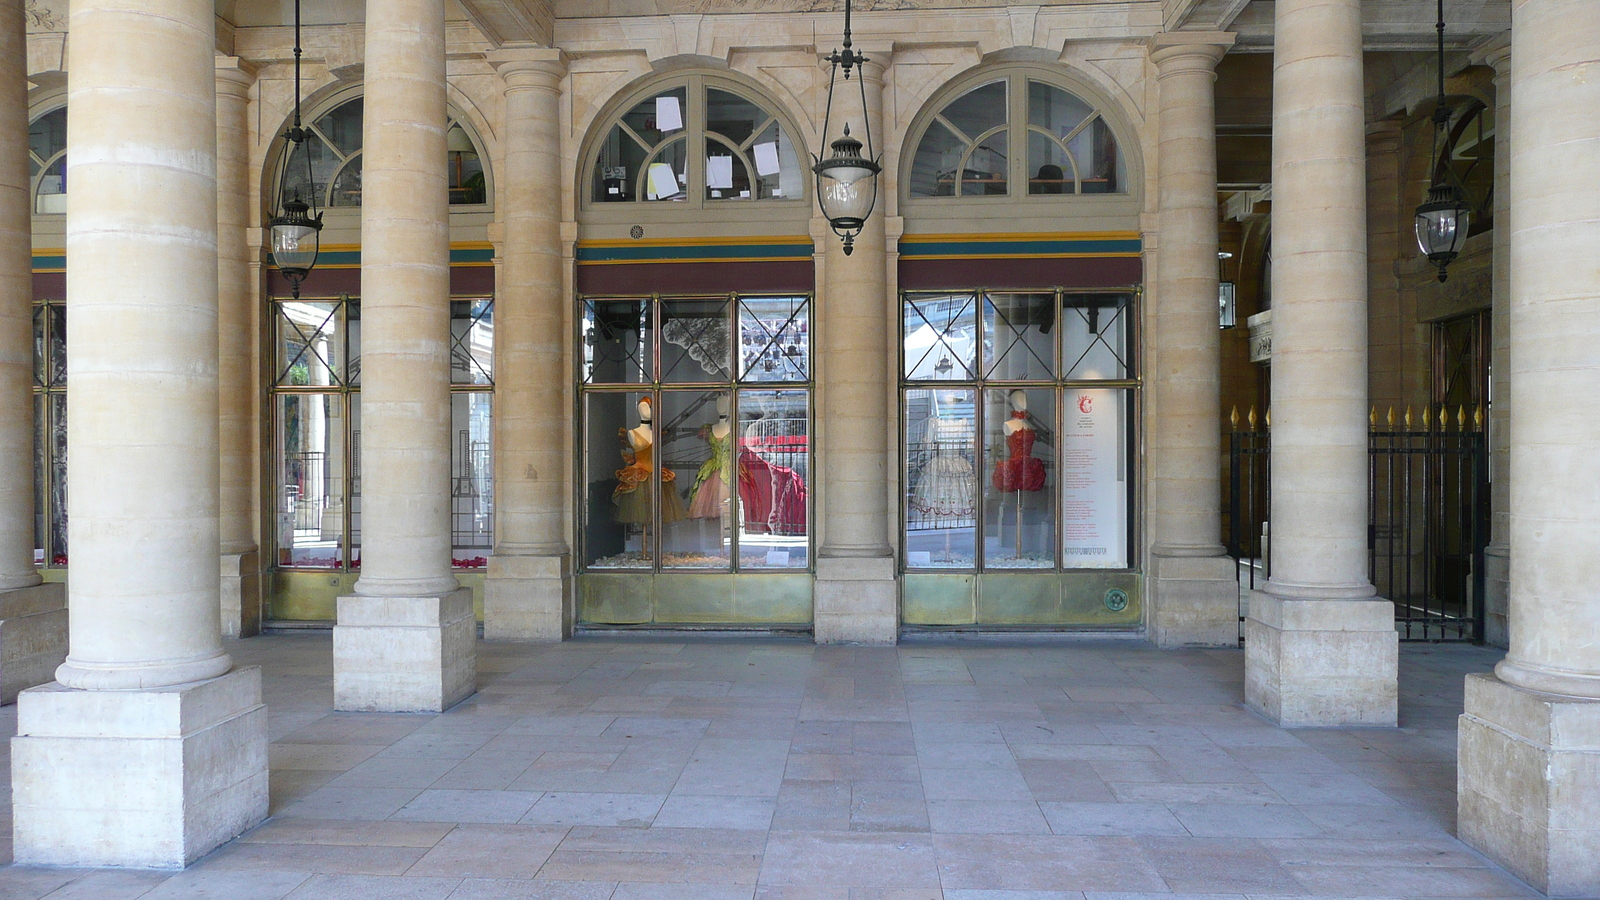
[
  {"x": 1528, "y": 784},
  {"x": 856, "y": 600},
  {"x": 33, "y": 637},
  {"x": 1497, "y": 596},
  {"x": 528, "y": 598},
  {"x": 404, "y": 654},
  {"x": 1322, "y": 663},
  {"x": 241, "y": 594},
  {"x": 1194, "y": 601},
  {"x": 151, "y": 778}
]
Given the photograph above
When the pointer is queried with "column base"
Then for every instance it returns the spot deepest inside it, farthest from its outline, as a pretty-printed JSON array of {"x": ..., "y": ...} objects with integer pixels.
[
  {"x": 1528, "y": 784},
  {"x": 146, "y": 779},
  {"x": 528, "y": 598},
  {"x": 856, "y": 601},
  {"x": 1194, "y": 601},
  {"x": 1322, "y": 663},
  {"x": 241, "y": 594},
  {"x": 33, "y": 637},
  {"x": 1497, "y": 596},
  {"x": 404, "y": 654}
]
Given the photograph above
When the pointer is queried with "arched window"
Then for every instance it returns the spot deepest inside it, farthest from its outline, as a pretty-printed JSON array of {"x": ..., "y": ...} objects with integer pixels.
[
  {"x": 47, "y": 161},
  {"x": 697, "y": 141},
  {"x": 1468, "y": 162},
  {"x": 1014, "y": 130},
  {"x": 335, "y": 150}
]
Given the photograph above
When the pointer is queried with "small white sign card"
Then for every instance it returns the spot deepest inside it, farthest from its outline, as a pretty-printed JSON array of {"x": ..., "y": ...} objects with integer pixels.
[
  {"x": 767, "y": 158},
  {"x": 719, "y": 172},
  {"x": 919, "y": 558},
  {"x": 669, "y": 115},
  {"x": 777, "y": 557},
  {"x": 663, "y": 183}
]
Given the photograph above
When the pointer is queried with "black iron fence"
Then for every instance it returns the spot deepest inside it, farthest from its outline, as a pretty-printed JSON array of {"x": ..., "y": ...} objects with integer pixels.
[{"x": 1428, "y": 516}]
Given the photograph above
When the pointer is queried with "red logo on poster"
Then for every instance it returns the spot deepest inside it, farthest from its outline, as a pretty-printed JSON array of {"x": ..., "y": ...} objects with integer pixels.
[{"x": 1085, "y": 404}]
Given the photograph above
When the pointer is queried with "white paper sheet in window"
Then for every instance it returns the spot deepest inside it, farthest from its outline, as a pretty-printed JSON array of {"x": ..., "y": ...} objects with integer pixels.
[
  {"x": 767, "y": 158},
  {"x": 663, "y": 183},
  {"x": 669, "y": 115},
  {"x": 719, "y": 171}
]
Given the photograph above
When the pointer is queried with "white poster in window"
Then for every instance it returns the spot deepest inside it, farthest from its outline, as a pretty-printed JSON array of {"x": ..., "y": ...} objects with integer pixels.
[
  {"x": 663, "y": 183},
  {"x": 719, "y": 171},
  {"x": 669, "y": 115},
  {"x": 1094, "y": 481},
  {"x": 767, "y": 158}
]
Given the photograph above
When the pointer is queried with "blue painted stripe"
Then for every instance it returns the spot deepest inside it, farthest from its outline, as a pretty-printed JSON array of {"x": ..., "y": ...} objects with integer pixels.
[{"x": 695, "y": 252}]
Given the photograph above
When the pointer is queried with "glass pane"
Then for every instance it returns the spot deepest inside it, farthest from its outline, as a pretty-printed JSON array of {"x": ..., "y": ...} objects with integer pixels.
[
  {"x": 1095, "y": 437},
  {"x": 342, "y": 126},
  {"x": 467, "y": 183},
  {"x": 696, "y": 432},
  {"x": 1019, "y": 522},
  {"x": 472, "y": 341},
  {"x": 620, "y": 483},
  {"x": 940, "y": 334},
  {"x": 58, "y": 479},
  {"x": 1017, "y": 344},
  {"x": 309, "y": 350},
  {"x": 471, "y": 479},
  {"x": 941, "y": 484},
  {"x": 347, "y": 187},
  {"x": 310, "y": 454},
  {"x": 774, "y": 339},
  {"x": 778, "y": 169},
  {"x": 616, "y": 341},
  {"x": 978, "y": 110},
  {"x": 933, "y": 170},
  {"x": 694, "y": 341},
  {"x": 666, "y": 175},
  {"x": 1055, "y": 110},
  {"x": 354, "y": 403},
  {"x": 617, "y": 168},
  {"x": 1096, "y": 145},
  {"x": 309, "y": 169},
  {"x": 732, "y": 116},
  {"x": 1051, "y": 167},
  {"x": 52, "y": 198},
  {"x": 985, "y": 172},
  {"x": 773, "y": 469},
  {"x": 41, "y": 484},
  {"x": 56, "y": 317},
  {"x": 1094, "y": 334},
  {"x": 727, "y": 176},
  {"x": 47, "y": 135},
  {"x": 41, "y": 348}
]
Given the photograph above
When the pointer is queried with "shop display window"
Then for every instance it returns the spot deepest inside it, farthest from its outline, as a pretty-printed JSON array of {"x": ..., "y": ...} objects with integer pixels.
[{"x": 50, "y": 433}]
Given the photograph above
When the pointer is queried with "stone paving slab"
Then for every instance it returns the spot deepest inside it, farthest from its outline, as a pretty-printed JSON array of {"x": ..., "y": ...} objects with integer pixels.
[{"x": 665, "y": 769}]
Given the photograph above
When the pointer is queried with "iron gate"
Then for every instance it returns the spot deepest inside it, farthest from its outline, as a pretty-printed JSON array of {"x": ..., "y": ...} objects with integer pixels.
[{"x": 1427, "y": 525}]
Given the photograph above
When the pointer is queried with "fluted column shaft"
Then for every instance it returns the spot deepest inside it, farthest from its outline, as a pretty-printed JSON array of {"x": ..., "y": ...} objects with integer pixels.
[
  {"x": 1319, "y": 270},
  {"x": 142, "y": 276},
  {"x": 405, "y": 311},
  {"x": 16, "y": 309},
  {"x": 235, "y": 307},
  {"x": 1555, "y": 326}
]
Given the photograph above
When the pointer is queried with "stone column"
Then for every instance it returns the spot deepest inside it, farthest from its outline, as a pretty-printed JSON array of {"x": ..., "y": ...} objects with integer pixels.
[
  {"x": 857, "y": 594},
  {"x": 33, "y": 617},
  {"x": 152, "y": 749},
  {"x": 1497, "y": 556},
  {"x": 1194, "y": 588},
  {"x": 1391, "y": 327},
  {"x": 1320, "y": 648},
  {"x": 236, "y": 336},
  {"x": 1529, "y": 750},
  {"x": 528, "y": 592},
  {"x": 405, "y": 640}
]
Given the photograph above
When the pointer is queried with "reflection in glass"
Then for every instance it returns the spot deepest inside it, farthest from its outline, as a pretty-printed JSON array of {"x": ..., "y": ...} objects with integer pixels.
[
  {"x": 47, "y": 146},
  {"x": 1017, "y": 343},
  {"x": 472, "y": 341},
  {"x": 941, "y": 481},
  {"x": 50, "y": 478},
  {"x": 347, "y": 185},
  {"x": 772, "y": 472},
  {"x": 324, "y": 162},
  {"x": 964, "y": 150},
  {"x": 464, "y": 168},
  {"x": 621, "y": 475},
  {"x": 694, "y": 340},
  {"x": 622, "y": 171},
  {"x": 472, "y": 479},
  {"x": 1094, "y": 335},
  {"x": 696, "y": 455},
  {"x": 341, "y": 126},
  {"x": 1019, "y": 520},
  {"x": 353, "y": 400},
  {"x": 41, "y": 508},
  {"x": 310, "y": 352},
  {"x": 940, "y": 334},
  {"x": 615, "y": 341},
  {"x": 774, "y": 339},
  {"x": 1094, "y": 478},
  {"x": 310, "y": 463}
]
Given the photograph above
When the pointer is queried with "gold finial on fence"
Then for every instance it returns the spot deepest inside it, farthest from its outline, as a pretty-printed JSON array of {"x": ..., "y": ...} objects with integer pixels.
[
  {"x": 1269, "y": 418},
  {"x": 1391, "y": 417},
  {"x": 1427, "y": 418},
  {"x": 1372, "y": 418},
  {"x": 1461, "y": 416},
  {"x": 1252, "y": 418},
  {"x": 1233, "y": 418},
  {"x": 1408, "y": 417},
  {"x": 1477, "y": 417},
  {"x": 1444, "y": 417}
]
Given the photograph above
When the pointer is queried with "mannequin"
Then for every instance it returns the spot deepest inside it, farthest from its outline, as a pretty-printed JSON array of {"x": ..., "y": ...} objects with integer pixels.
[
  {"x": 1020, "y": 470},
  {"x": 632, "y": 495},
  {"x": 712, "y": 489}
]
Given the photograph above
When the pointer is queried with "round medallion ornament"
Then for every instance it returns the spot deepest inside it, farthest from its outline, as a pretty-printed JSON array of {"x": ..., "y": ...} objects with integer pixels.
[
  {"x": 1116, "y": 600},
  {"x": 636, "y": 232}
]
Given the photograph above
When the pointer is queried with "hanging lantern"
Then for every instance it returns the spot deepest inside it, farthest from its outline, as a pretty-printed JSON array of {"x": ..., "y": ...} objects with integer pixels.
[
  {"x": 847, "y": 181},
  {"x": 294, "y": 234},
  {"x": 1442, "y": 221}
]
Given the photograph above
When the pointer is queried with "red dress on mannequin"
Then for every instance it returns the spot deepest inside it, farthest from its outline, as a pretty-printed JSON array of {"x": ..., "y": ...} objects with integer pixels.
[{"x": 1020, "y": 472}]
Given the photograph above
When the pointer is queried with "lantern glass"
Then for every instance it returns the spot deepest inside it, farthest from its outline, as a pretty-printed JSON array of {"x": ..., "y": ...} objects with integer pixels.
[
  {"x": 294, "y": 246},
  {"x": 845, "y": 200},
  {"x": 1442, "y": 229}
]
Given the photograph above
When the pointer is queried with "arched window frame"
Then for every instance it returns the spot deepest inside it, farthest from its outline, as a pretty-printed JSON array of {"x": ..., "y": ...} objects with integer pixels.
[
  {"x": 346, "y": 161},
  {"x": 45, "y": 164},
  {"x": 1473, "y": 127},
  {"x": 695, "y": 135},
  {"x": 1018, "y": 128}
]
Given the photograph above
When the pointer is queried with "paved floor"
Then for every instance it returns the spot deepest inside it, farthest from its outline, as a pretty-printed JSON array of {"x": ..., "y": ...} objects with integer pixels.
[{"x": 777, "y": 770}]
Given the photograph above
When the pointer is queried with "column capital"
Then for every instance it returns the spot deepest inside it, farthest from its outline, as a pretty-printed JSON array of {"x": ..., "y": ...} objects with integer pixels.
[
  {"x": 1175, "y": 51},
  {"x": 1496, "y": 53},
  {"x": 235, "y": 74},
  {"x": 529, "y": 68},
  {"x": 1383, "y": 137}
]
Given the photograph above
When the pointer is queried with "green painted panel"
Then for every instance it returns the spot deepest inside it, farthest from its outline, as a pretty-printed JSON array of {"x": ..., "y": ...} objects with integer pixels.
[
  {"x": 681, "y": 598},
  {"x": 607, "y": 599},
  {"x": 304, "y": 596},
  {"x": 938, "y": 599},
  {"x": 778, "y": 599},
  {"x": 1020, "y": 598},
  {"x": 1090, "y": 598}
]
